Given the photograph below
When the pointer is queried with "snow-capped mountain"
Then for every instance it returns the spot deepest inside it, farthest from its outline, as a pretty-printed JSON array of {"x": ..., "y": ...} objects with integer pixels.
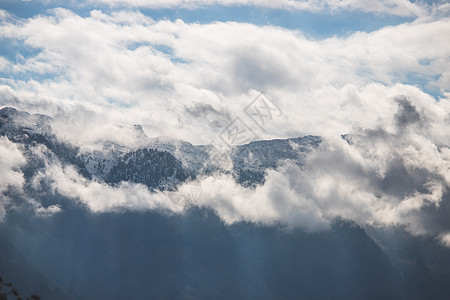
[
  {"x": 158, "y": 162},
  {"x": 34, "y": 131},
  {"x": 16, "y": 124}
]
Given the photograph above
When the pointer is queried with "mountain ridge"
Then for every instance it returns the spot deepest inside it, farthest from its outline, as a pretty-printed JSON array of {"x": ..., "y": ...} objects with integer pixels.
[{"x": 249, "y": 161}]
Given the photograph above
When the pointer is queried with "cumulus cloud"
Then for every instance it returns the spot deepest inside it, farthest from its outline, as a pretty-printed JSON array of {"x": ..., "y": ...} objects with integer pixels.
[{"x": 125, "y": 68}]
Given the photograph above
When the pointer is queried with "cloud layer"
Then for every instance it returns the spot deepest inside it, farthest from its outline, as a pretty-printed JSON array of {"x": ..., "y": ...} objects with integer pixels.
[
  {"x": 102, "y": 70},
  {"x": 394, "y": 175},
  {"x": 388, "y": 90}
]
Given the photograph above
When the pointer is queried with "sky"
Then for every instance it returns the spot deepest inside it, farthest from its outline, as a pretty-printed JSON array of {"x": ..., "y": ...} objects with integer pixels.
[
  {"x": 157, "y": 63},
  {"x": 377, "y": 71}
]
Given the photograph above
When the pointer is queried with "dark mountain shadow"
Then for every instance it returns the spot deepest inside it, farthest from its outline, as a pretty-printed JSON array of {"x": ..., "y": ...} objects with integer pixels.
[
  {"x": 26, "y": 279},
  {"x": 421, "y": 260},
  {"x": 154, "y": 255}
]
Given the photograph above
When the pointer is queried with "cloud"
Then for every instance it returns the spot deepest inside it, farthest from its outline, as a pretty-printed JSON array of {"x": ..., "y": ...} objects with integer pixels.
[
  {"x": 11, "y": 159},
  {"x": 275, "y": 202},
  {"x": 125, "y": 68},
  {"x": 99, "y": 74},
  {"x": 396, "y": 7},
  {"x": 98, "y": 196},
  {"x": 445, "y": 239},
  {"x": 396, "y": 175},
  {"x": 407, "y": 114}
]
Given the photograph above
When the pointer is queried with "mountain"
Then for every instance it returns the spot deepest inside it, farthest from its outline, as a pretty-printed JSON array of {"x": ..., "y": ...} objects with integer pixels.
[
  {"x": 34, "y": 131},
  {"x": 158, "y": 163},
  {"x": 27, "y": 279},
  {"x": 153, "y": 254},
  {"x": 423, "y": 263},
  {"x": 195, "y": 256},
  {"x": 151, "y": 167}
]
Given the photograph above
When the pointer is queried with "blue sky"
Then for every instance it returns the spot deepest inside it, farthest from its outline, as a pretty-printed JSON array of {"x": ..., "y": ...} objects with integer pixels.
[{"x": 313, "y": 24}]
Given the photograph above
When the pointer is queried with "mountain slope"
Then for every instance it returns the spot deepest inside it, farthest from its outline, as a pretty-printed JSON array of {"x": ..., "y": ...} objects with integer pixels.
[
  {"x": 195, "y": 256},
  {"x": 15, "y": 268}
]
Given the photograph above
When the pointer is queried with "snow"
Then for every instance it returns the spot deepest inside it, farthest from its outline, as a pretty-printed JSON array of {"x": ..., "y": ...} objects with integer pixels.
[{"x": 99, "y": 159}]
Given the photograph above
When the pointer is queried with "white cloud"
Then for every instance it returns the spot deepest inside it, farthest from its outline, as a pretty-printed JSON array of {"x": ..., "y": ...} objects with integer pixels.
[
  {"x": 274, "y": 202},
  {"x": 393, "y": 7},
  {"x": 107, "y": 72},
  {"x": 11, "y": 159},
  {"x": 125, "y": 68},
  {"x": 100, "y": 197},
  {"x": 378, "y": 179},
  {"x": 445, "y": 239},
  {"x": 4, "y": 64}
]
